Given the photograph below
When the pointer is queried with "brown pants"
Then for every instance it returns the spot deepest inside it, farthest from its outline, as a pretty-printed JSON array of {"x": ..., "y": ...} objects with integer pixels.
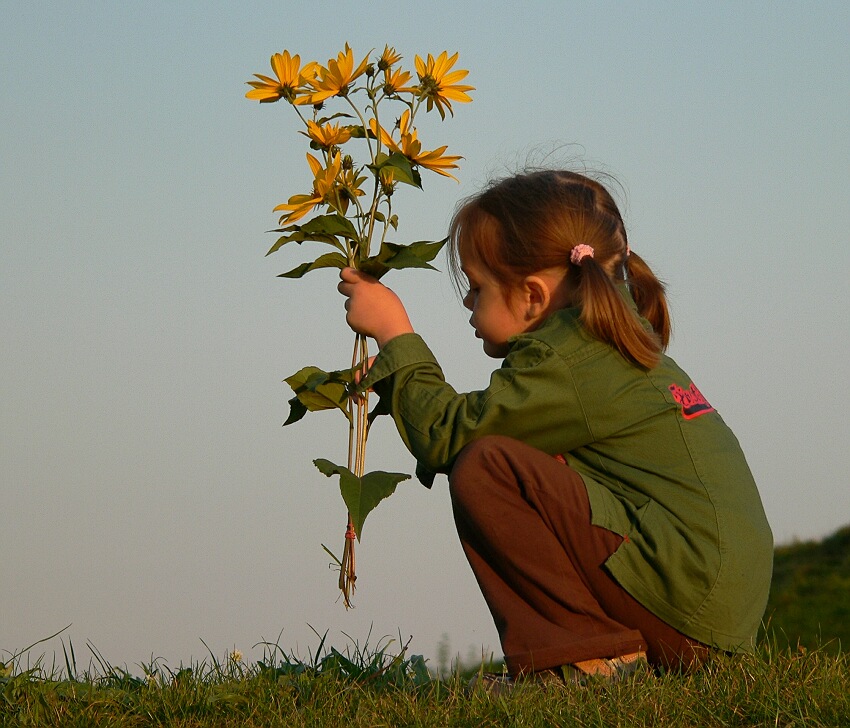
[{"x": 523, "y": 519}]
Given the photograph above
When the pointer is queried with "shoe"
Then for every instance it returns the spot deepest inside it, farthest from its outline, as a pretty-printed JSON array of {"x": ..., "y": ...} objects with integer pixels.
[{"x": 607, "y": 670}]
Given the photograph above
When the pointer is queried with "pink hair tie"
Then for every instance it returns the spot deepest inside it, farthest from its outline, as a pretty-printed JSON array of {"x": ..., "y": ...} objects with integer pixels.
[{"x": 579, "y": 253}]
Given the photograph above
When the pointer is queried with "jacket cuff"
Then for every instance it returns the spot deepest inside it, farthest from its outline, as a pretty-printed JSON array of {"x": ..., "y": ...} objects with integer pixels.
[{"x": 402, "y": 351}]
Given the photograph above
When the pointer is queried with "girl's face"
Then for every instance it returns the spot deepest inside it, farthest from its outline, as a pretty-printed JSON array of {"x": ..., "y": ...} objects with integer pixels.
[{"x": 496, "y": 316}]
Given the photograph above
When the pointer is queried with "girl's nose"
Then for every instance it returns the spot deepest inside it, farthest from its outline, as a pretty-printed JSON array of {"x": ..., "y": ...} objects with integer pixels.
[{"x": 467, "y": 301}]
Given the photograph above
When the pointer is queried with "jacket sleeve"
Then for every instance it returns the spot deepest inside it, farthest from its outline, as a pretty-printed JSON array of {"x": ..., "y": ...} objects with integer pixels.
[{"x": 531, "y": 397}]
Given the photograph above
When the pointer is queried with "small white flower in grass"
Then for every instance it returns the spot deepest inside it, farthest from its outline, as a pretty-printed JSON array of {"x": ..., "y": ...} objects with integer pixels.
[{"x": 236, "y": 656}]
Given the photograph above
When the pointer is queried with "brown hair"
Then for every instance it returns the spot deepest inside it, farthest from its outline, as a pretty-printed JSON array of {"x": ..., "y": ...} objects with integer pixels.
[{"x": 530, "y": 222}]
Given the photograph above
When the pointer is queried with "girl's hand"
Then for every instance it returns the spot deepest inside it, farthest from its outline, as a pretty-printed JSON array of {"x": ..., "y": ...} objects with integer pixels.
[{"x": 372, "y": 308}]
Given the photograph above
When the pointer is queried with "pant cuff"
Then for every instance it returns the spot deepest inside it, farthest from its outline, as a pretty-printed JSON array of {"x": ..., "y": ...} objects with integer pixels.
[{"x": 605, "y": 646}]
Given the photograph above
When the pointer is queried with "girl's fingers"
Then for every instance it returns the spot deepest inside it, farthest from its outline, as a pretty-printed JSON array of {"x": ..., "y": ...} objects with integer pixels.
[
  {"x": 352, "y": 275},
  {"x": 349, "y": 277}
]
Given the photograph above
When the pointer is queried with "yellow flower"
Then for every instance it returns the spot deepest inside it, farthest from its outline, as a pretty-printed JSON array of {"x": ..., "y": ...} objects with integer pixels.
[
  {"x": 337, "y": 77},
  {"x": 438, "y": 86},
  {"x": 350, "y": 186},
  {"x": 394, "y": 82},
  {"x": 410, "y": 146},
  {"x": 324, "y": 184},
  {"x": 327, "y": 136},
  {"x": 436, "y": 161},
  {"x": 290, "y": 83},
  {"x": 388, "y": 58},
  {"x": 329, "y": 188}
]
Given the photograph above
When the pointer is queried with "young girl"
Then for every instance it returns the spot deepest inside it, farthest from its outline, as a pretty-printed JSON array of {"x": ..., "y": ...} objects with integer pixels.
[{"x": 606, "y": 509}]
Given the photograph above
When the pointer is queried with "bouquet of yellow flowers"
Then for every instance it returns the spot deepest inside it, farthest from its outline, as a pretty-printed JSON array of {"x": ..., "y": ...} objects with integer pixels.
[{"x": 352, "y": 202}]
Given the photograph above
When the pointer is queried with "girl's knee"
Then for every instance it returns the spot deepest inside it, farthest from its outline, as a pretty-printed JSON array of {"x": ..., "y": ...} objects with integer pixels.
[
  {"x": 478, "y": 453},
  {"x": 476, "y": 460}
]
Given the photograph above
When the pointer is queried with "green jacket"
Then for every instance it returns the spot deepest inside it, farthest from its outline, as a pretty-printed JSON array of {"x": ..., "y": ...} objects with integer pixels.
[{"x": 661, "y": 467}]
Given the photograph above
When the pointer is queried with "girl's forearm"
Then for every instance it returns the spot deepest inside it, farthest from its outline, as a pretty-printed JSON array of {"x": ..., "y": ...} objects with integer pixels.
[{"x": 392, "y": 327}]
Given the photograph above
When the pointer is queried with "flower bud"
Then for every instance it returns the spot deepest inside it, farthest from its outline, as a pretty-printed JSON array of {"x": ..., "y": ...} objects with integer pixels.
[{"x": 387, "y": 183}]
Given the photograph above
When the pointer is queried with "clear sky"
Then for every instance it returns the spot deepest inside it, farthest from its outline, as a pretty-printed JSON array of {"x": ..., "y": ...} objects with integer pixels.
[{"x": 148, "y": 495}]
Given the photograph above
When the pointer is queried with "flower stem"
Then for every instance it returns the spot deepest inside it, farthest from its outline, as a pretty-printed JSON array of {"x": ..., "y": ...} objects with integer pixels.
[{"x": 357, "y": 433}]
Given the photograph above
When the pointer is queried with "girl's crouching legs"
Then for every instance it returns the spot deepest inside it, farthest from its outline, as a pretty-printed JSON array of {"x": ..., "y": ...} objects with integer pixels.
[{"x": 523, "y": 519}]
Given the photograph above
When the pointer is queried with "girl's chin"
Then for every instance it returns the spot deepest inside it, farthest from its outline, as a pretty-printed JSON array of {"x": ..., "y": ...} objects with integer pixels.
[{"x": 496, "y": 351}]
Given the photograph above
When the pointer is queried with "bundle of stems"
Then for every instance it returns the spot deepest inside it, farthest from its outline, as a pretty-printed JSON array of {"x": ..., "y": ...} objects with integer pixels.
[{"x": 358, "y": 431}]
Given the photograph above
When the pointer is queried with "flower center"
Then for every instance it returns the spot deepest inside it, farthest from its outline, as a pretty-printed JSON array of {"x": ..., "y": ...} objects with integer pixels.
[{"x": 429, "y": 85}]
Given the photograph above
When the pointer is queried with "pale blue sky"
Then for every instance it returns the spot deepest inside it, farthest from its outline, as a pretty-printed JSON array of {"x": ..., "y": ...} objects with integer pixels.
[{"x": 148, "y": 495}]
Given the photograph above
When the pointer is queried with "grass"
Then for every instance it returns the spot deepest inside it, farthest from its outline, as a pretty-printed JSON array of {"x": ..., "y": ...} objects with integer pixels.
[{"x": 368, "y": 687}]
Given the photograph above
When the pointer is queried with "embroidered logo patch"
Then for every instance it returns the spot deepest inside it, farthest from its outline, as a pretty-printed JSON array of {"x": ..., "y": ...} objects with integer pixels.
[{"x": 692, "y": 401}]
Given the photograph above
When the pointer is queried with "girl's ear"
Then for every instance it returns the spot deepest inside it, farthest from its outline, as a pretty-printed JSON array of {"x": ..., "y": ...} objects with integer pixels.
[{"x": 536, "y": 297}]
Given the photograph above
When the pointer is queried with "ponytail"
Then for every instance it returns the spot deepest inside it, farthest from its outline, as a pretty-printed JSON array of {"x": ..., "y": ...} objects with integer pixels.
[
  {"x": 607, "y": 316},
  {"x": 648, "y": 294}
]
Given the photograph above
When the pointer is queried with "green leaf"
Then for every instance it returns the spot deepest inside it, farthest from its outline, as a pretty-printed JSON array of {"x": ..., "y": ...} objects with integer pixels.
[
  {"x": 361, "y": 495},
  {"x": 359, "y": 132},
  {"x": 403, "y": 170},
  {"x": 396, "y": 256},
  {"x": 327, "y": 229},
  {"x": 328, "y": 260},
  {"x": 297, "y": 409},
  {"x": 317, "y": 390}
]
